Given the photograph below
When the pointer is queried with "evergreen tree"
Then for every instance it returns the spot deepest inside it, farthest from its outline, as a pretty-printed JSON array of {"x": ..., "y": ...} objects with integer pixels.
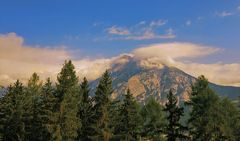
[
  {"x": 67, "y": 113},
  {"x": 67, "y": 103},
  {"x": 101, "y": 109},
  {"x": 174, "y": 129},
  {"x": 47, "y": 118},
  {"x": 238, "y": 117},
  {"x": 85, "y": 112},
  {"x": 66, "y": 79},
  {"x": 31, "y": 107},
  {"x": 230, "y": 119},
  {"x": 129, "y": 124},
  {"x": 154, "y": 119},
  {"x": 114, "y": 116},
  {"x": 208, "y": 116},
  {"x": 238, "y": 103},
  {"x": 11, "y": 114}
]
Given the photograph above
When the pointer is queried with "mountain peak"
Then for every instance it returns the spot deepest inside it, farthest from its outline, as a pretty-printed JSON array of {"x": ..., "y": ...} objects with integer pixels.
[
  {"x": 144, "y": 63},
  {"x": 149, "y": 77}
]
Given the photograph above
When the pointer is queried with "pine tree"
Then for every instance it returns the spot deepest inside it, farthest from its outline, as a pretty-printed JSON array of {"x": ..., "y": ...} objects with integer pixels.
[
  {"x": 85, "y": 112},
  {"x": 31, "y": 107},
  {"x": 199, "y": 102},
  {"x": 238, "y": 103},
  {"x": 154, "y": 119},
  {"x": 114, "y": 117},
  {"x": 101, "y": 109},
  {"x": 231, "y": 120},
  {"x": 11, "y": 114},
  {"x": 238, "y": 117},
  {"x": 47, "y": 117},
  {"x": 68, "y": 98},
  {"x": 207, "y": 119},
  {"x": 174, "y": 129},
  {"x": 129, "y": 125},
  {"x": 66, "y": 79}
]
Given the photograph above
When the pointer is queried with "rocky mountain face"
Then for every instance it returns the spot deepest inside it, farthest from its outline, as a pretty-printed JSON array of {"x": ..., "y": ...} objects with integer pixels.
[
  {"x": 146, "y": 79},
  {"x": 3, "y": 91}
]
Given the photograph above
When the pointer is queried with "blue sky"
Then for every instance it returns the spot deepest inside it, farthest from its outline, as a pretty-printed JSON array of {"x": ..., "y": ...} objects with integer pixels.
[
  {"x": 83, "y": 24},
  {"x": 198, "y": 37}
]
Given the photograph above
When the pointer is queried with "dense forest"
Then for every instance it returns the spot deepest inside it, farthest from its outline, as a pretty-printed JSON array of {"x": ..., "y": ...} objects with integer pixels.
[{"x": 65, "y": 111}]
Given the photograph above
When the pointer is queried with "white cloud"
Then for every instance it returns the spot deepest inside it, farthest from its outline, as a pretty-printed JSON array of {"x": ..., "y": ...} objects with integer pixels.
[
  {"x": 19, "y": 61},
  {"x": 142, "y": 22},
  {"x": 238, "y": 8},
  {"x": 149, "y": 34},
  {"x": 157, "y": 23},
  {"x": 219, "y": 73},
  {"x": 118, "y": 30},
  {"x": 171, "y": 54},
  {"x": 12, "y": 48},
  {"x": 188, "y": 23},
  {"x": 224, "y": 14},
  {"x": 92, "y": 69},
  {"x": 174, "y": 51},
  {"x": 170, "y": 31},
  {"x": 141, "y": 31},
  {"x": 95, "y": 24},
  {"x": 200, "y": 18}
]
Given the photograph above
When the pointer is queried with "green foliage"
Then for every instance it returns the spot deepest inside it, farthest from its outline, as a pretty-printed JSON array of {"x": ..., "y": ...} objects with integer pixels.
[
  {"x": 66, "y": 112},
  {"x": 68, "y": 99},
  {"x": 174, "y": 129},
  {"x": 11, "y": 113},
  {"x": 114, "y": 116},
  {"x": 238, "y": 103},
  {"x": 129, "y": 120},
  {"x": 211, "y": 118},
  {"x": 154, "y": 119},
  {"x": 203, "y": 115},
  {"x": 231, "y": 120},
  {"x": 31, "y": 107},
  {"x": 101, "y": 108},
  {"x": 66, "y": 79},
  {"x": 200, "y": 86},
  {"x": 47, "y": 116},
  {"x": 85, "y": 112}
]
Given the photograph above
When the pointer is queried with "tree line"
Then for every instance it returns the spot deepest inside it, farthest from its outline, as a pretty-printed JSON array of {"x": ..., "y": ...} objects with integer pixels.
[{"x": 65, "y": 111}]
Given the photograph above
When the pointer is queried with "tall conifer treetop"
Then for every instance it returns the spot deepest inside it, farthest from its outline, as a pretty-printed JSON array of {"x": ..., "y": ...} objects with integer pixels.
[
  {"x": 66, "y": 79},
  {"x": 101, "y": 108},
  {"x": 174, "y": 129}
]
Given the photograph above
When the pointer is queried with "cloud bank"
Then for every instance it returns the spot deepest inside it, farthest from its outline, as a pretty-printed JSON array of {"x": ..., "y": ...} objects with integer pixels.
[
  {"x": 174, "y": 51},
  {"x": 177, "y": 54},
  {"x": 19, "y": 61}
]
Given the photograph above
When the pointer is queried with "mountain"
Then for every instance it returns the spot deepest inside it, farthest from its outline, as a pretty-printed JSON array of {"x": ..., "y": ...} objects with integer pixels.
[
  {"x": 145, "y": 78},
  {"x": 3, "y": 90}
]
